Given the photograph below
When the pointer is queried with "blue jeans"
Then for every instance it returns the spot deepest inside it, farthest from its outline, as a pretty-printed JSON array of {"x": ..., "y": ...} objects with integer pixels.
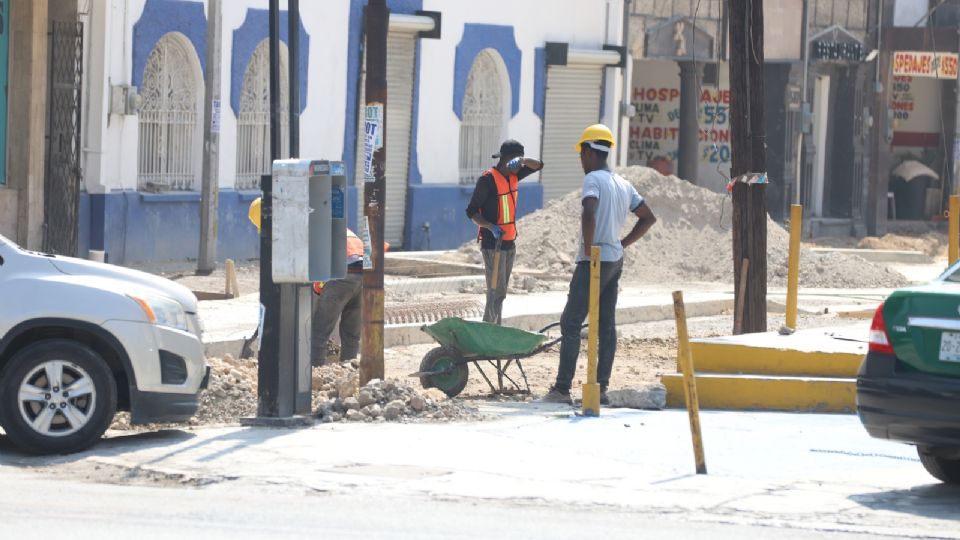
[{"x": 575, "y": 312}]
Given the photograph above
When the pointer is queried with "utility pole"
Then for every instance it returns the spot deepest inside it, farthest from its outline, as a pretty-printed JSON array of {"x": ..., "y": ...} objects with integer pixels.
[
  {"x": 374, "y": 189},
  {"x": 269, "y": 378},
  {"x": 209, "y": 194},
  {"x": 748, "y": 160},
  {"x": 293, "y": 48}
]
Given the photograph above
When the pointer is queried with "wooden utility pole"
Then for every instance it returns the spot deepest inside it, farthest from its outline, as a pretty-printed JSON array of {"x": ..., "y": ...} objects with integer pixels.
[
  {"x": 209, "y": 195},
  {"x": 748, "y": 158},
  {"x": 374, "y": 189}
]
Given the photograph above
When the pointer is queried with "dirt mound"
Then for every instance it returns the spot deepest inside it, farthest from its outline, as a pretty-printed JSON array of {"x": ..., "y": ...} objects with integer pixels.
[
  {"x": 932, "y": 243},
  {"x": 690, "y": 242}
]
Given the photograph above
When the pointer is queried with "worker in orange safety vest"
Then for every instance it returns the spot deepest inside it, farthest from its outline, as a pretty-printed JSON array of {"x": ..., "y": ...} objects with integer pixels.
[
  {"x": 493, "y": 207},
  {"x": 337, "y": 299}
]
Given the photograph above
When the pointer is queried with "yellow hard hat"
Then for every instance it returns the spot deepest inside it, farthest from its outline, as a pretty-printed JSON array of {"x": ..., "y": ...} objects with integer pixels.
[
  {"x": 254, "y": 213},
  {"x": 596, "y": 132}
]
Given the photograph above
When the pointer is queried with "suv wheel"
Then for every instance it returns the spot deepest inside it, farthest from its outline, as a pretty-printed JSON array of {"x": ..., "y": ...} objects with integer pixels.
[
  {"x": 944, "y": 469},
  {"x": 56, "y": 396}
]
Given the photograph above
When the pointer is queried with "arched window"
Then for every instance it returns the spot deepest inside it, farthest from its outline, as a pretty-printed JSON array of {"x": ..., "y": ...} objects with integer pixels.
[
  {"x": 484, "y": 116},
  {"x": 170, "y": 139},
  {"x": 253, "y": 123}
]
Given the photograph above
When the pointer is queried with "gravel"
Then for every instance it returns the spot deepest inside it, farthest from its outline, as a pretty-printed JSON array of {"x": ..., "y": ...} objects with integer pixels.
[
  {"x": 690, "y": 242},
  {"x": 337, "y": 397}
]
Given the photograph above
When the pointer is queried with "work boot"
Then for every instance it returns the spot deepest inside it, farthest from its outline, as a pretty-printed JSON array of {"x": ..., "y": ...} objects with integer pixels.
[
  {"x": 604, "y": 400},
  {"x": 555, "y": 395}
]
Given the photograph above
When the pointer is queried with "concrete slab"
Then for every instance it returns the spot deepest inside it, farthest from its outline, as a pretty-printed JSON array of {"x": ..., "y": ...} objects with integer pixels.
[{"x": 881, "y": 255}]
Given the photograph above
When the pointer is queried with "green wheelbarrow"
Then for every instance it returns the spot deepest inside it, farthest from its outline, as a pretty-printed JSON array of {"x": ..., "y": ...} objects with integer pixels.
[{"x": 464, "y": 342}]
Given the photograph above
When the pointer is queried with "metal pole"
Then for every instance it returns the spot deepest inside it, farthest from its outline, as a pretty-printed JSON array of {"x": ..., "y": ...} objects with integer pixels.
[
  {"x": 689, "y": 382},
  {"x": 793, "y": 265},
  {"x": 953, "y": 219},
  {"x": 805, "y": 56},
  {"x": 688, "y": 159},
  {"x": 293, "y": 45},
  {"x": 591, "y": 389},
  {"x": 209, "y": 191},
  {"x": 374, "y": 189},
  {"x": 268, "y": 369}
]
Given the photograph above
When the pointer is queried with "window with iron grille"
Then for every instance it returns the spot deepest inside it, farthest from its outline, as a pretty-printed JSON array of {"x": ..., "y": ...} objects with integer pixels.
[
  {"x": 169, "y": 149},
  {"x": 253, "y": 123},
  {"x": 483, "y": 116}
]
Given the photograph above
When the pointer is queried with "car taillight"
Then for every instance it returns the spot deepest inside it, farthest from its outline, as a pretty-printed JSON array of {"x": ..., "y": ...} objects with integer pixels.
[{"x": 879, "y": 339}]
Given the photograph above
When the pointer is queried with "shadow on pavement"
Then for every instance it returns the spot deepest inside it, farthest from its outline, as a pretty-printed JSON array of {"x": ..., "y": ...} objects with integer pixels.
[
  {"x": 145, "y": 443},
  {"x": 938, "y": 501}
]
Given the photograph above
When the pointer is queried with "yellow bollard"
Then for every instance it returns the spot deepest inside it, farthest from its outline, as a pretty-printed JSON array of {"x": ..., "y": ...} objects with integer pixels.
[
  {"x": 591, "y": 390},
  {"x": 793, "y": 264},
  {"x": 953, "y": 250},
  {"x": 689, "y": 381}
]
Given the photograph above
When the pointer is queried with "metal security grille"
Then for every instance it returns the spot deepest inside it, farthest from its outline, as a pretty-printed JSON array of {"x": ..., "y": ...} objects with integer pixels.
[
  {"x": 401, "y": 53},
  {"x": 253, "y": 122},
  {"x": 482, "y": 126},
  {"x": 572, "y": 103},
  {"x": 169, "y": 138},
  {"x": 63, "y": 175}
]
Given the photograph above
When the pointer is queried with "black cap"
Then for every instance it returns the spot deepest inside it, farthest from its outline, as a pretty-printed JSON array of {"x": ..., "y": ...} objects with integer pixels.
[{"x": 509, "y": 148}]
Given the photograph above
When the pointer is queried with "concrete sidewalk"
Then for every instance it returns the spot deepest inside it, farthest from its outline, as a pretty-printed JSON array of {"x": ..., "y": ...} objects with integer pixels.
[{"x": 817, "y": 472}]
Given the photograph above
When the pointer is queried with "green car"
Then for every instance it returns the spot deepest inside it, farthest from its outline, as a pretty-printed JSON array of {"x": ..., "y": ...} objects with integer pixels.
[{"x": 908, "y": 387}]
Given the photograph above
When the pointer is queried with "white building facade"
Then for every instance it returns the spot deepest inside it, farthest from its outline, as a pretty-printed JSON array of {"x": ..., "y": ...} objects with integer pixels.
[{"x": 454, "y": 92}]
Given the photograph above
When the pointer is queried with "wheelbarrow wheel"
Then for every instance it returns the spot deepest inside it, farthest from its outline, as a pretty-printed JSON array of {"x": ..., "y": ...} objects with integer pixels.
[{"x": 456, "y": 372}]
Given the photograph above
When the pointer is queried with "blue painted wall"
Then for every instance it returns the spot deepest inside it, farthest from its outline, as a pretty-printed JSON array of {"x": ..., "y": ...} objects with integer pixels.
[
  {"x": 477, "y": 37},
  {"x": 135, "y": 227},
  {"x": 443, "y": 206},
  {"x": 161, "y": 17},
  {"x": 248, "y": 36}
]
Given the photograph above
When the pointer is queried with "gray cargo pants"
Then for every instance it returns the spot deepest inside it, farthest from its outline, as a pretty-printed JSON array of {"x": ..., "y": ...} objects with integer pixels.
[
  {"x": 341, "y": 299},
  {"x": 496, "y": 292}
]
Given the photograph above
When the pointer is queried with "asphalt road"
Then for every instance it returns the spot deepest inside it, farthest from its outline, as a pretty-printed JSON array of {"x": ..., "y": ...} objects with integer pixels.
[{"x": 32, "y": 506}]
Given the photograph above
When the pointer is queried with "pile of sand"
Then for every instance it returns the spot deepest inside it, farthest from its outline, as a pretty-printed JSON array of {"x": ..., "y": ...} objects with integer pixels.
[{"x": 690, "y": 242}]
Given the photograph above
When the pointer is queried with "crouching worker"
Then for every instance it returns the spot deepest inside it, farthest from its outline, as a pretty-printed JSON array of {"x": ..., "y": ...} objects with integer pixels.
[{"x": 337, "y": 299}]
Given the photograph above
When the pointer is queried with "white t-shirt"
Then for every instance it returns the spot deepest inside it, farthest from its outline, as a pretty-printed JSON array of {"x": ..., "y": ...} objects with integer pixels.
[{"x": 616, "y": 198}]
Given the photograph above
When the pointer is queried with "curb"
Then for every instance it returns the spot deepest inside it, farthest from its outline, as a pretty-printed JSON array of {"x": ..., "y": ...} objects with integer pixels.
[{"x": 410, "y": 334}]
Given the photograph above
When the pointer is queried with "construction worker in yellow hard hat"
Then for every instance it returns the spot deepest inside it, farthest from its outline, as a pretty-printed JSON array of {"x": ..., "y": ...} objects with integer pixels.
[
  {"x": 607, "y": 199},
  {"x": 333, "y": 300}
]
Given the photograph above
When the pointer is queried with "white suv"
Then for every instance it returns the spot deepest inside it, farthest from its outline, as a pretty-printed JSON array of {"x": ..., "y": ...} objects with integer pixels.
[{"x": 80, "y": 340}]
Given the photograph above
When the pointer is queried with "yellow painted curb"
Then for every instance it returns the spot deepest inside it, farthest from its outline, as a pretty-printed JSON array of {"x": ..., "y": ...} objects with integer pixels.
[
  {"x": 768, "y": 393},
  {"x": 715, "y": 357}
]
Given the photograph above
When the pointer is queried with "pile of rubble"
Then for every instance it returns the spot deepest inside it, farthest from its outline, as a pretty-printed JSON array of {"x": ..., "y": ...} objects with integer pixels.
[
  {"x": 337, "y": 398},
  {"x": 232, "y": 394}
]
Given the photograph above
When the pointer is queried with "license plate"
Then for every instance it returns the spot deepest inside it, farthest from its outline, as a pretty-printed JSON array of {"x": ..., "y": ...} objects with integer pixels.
[{"x": 950, "y": 347}]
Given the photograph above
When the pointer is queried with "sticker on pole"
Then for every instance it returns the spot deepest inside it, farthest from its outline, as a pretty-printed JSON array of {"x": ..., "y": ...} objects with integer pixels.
[
  {"x": 367, "y": 253},
  {"x": 372, "y": 138},
  {"x": 215, "y": 117},
  {"x": 263, "y": 313}
]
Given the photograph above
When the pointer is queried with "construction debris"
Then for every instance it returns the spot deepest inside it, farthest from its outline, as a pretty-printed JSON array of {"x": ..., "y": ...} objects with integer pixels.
[
  {"x": 650, "y": 396},
  {"x": 232, "y": 394}
]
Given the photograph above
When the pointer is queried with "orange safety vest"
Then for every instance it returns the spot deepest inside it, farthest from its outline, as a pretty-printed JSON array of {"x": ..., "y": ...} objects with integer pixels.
[{"x": 506, "y": 204}]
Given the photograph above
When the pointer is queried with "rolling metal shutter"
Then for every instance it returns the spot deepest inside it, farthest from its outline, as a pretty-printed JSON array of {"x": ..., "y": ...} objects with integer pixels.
[
  {"x": 572, "y": 103},
  {"x": 401, "y": 52}
]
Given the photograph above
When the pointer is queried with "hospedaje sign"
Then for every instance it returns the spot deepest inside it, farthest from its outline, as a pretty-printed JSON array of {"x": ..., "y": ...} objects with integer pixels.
[{"x": 925, "y": 64}]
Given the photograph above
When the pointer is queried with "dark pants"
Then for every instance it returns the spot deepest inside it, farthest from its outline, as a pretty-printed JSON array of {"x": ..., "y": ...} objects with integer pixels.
[
  {"x": 340, "y": 300},
  {"x": 497, "y": 292},
  {"x": 575, "y": 312}
]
